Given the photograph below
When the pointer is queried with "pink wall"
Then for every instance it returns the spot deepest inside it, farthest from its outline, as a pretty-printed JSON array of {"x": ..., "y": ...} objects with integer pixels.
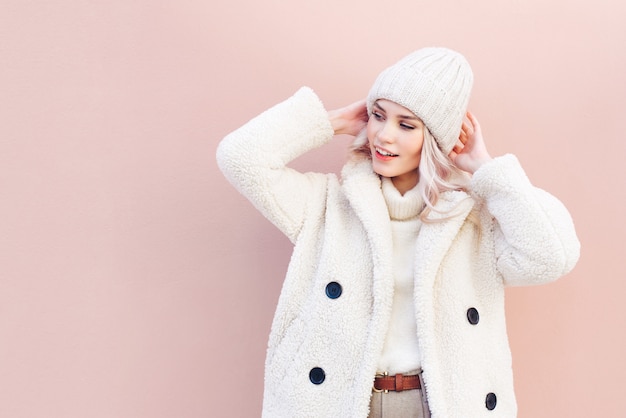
[{"x": 135, "y": 282}]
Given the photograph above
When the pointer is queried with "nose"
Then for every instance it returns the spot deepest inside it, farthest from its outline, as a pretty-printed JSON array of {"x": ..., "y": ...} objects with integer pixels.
[{"x": 386, "y": 134}]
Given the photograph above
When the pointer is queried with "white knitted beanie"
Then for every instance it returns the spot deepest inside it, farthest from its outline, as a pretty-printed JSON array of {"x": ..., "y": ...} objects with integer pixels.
[{"x": 434, "y": 84}]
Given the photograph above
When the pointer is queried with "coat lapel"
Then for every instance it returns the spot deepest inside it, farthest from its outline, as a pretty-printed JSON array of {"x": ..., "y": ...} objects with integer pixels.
[
  {"x": 435, "y": 238},
  {"x": 433, "y": 242},
  {"x": 362, "y": 188}
]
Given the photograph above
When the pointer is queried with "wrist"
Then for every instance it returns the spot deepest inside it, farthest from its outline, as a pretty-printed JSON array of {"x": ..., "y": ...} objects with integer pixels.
[
  {"x": 480, "y": 162},
  {"x": 336, "y": 122}
]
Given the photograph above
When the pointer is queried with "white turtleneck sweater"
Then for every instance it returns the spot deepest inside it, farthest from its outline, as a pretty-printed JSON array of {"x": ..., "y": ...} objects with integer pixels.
[{"x": 401, "y": 351}]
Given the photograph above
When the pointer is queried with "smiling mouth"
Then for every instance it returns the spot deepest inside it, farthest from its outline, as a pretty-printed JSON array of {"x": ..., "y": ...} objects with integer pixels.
[{"x": 384, "y": 153}]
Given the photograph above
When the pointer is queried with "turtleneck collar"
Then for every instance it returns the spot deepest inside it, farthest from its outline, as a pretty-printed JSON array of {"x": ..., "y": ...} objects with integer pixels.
[{"x": 401, "y": 207}]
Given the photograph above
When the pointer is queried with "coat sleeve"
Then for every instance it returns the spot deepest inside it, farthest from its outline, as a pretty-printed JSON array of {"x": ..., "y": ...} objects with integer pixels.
[
  {"x": 253, "y": 159},
  {"x": 535, "y": 239}
]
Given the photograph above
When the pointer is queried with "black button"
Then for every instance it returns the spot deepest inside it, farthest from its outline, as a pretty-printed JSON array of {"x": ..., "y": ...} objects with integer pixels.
[
  {"x": 317, "y": 375},
  {"x": 472, "y": 316},
  {"x": 491, "y": 401},
  {"x": 333, "y": 290}
]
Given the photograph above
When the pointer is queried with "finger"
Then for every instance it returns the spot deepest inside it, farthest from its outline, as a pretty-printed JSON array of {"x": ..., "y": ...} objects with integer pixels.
[
  {"x": 473, "y": 120},
  {"x": 463, "y": 137},
  {"x": 465, "y": 127}
]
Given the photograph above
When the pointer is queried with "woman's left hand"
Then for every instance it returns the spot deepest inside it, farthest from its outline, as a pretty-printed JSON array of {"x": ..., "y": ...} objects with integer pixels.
[{"x": 470, "y": 152}]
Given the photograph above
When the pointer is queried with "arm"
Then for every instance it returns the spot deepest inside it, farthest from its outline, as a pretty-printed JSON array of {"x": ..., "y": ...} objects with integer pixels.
[
  {"x": 535, "y": 237},
  {"x": 253, "y": 158}
]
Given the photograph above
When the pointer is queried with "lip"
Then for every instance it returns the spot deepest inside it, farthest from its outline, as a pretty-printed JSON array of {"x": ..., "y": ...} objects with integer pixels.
[{"x": 381, "y": 156}]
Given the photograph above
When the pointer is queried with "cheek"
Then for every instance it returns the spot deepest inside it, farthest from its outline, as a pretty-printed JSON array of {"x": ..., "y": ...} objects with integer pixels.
[
  {"x": 370, "y": 131},
  {"x": 418, "y": 152},
  {"x": 419, "y": 144},
  {"x": 414, "y": 149}
]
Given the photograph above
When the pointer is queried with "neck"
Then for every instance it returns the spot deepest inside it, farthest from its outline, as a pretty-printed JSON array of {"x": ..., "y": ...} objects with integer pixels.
[{"x": 405, "y": 182}]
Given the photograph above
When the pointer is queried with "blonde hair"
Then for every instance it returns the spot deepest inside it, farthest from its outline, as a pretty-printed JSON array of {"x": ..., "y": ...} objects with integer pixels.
[{"x": 437, "y": 173}]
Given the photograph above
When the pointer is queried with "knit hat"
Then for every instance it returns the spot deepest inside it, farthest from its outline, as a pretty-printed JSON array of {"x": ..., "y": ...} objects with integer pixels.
[{"x": 434, "y": 84}]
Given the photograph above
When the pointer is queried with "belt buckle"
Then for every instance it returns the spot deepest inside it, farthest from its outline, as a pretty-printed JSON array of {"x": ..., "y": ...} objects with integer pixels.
[{"x": 383, "y": 374}]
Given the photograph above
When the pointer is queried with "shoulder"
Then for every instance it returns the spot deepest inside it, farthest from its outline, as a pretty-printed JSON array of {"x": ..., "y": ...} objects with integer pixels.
[{"x": 503, "y": 173}]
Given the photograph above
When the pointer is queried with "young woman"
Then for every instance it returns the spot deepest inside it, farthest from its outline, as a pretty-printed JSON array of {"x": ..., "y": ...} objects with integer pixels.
[{"x": 393, "y": 302}]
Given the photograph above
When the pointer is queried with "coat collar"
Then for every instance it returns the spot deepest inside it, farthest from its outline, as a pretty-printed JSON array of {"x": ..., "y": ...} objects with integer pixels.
[{"x": 363, "y": 189}]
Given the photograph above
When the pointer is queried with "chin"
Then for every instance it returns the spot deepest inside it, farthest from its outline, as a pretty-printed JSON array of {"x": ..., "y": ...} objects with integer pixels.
[{"x": 382, "y": 172}]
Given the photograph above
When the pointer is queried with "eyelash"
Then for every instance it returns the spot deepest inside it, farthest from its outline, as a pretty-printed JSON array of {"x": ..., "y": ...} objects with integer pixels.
[{"x": 405, "y": 126}]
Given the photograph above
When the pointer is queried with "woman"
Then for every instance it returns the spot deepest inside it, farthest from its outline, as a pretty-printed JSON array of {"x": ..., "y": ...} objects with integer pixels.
[{"x": 393, "y": 302}]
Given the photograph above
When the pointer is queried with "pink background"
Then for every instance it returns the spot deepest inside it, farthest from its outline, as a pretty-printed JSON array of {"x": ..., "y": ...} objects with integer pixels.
[{"x": 135, "y": 282}]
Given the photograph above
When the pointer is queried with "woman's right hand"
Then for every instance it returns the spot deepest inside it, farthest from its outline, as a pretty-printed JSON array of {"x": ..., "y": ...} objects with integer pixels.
[{"x": 349, "y": 120}]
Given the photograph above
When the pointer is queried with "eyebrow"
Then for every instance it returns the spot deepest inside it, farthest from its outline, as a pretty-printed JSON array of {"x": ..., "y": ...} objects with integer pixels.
[{"x": 409, "y": 117}]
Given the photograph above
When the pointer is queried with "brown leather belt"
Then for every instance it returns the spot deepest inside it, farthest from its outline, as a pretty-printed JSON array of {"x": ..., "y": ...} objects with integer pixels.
[{"x": 396, "y": 383}]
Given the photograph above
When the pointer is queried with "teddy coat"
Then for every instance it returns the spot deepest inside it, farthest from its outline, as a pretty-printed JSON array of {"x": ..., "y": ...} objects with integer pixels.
[{"x": 335, "y": 303}]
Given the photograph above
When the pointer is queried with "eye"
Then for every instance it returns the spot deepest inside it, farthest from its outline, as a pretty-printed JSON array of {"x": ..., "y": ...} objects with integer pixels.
[
  {"x": 377, "y": 115},
  {"x": 407, "y": 126}
]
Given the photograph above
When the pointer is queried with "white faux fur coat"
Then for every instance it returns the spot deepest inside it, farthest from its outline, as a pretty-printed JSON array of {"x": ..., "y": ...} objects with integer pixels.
[{"x": 341, "y": 232}]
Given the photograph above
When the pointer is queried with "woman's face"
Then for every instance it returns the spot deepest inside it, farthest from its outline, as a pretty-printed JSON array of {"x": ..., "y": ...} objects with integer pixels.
[{"x": 395, "y": 137}]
